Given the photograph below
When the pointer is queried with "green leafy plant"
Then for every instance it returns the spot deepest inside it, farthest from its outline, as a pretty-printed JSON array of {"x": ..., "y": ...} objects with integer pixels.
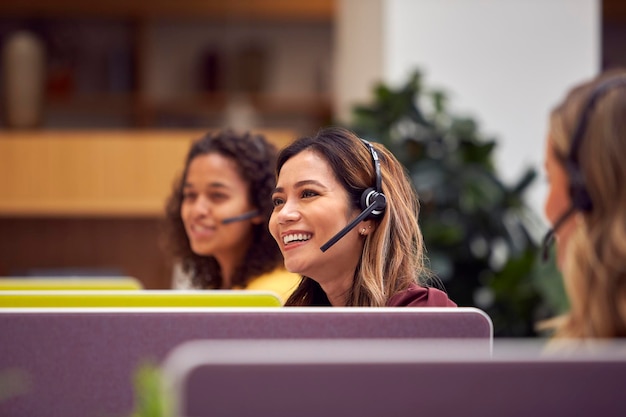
[
  {"x": 478, "y": 230},
  {"x": 150, "y": 398},
  {"x": 13, "y": 382}
]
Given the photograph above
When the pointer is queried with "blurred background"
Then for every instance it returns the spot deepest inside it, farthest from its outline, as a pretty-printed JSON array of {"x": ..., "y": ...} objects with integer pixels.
[{"x": 100, "y": 101}]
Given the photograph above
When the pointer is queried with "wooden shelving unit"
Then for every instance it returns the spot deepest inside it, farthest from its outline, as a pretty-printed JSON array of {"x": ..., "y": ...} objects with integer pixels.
[{"x": 137, "y": 104}]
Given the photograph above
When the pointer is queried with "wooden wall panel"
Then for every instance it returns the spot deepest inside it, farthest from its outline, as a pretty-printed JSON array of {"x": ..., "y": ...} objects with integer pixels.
[
  {"x": 93, "y": 173},
  {"x": 128, "y": 245}
]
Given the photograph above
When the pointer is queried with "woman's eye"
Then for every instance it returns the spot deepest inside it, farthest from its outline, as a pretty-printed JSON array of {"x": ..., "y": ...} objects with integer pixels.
[
  {"x": 188, "y": 196},
  {"x": 308, "y": 194},
  {"x": 277, "y": 201},
  {"x": 218, "y": 196}
]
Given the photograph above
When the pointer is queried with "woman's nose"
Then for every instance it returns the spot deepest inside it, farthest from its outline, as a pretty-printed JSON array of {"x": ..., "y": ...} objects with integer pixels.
[
  {"x": 201, "y": 206},
  {"x": 290, "y": 212}
]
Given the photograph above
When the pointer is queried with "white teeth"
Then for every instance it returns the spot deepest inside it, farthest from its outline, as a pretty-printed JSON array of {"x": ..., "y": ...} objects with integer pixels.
[
  {"x": 199, "y": 228},
  {"x": 296, "y": 236}
]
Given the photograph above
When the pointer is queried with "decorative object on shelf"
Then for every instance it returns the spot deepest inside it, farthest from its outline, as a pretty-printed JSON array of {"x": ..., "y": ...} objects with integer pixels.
[
  {"x": 23, "y": 69},
  {"x": 211, "y": 71},
  {"x": 478, "y": 230},
  {"x": 251, "y": 68},
  {"x": 240, "y": 113}
]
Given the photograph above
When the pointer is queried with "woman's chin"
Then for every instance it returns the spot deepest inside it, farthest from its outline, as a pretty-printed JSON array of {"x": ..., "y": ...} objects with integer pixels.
[
  {"x": 202, "y": 250},
  {"x": 294, "y": 267}
]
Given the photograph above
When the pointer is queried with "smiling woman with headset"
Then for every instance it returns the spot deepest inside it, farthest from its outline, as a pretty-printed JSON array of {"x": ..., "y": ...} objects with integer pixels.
[
  {"x": 217, "y": 215},
  {"x": 586, "y": 204},
  {"x": 345, "y": 218}
]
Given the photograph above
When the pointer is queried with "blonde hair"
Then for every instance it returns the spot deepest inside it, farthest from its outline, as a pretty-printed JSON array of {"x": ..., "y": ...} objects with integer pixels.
[
  {"x": 594, "y": 269},
  {"x": 393, "y": 254}
]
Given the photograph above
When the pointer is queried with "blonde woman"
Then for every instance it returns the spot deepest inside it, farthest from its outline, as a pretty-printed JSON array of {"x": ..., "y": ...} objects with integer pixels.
[{"x": 586, "y": 205}]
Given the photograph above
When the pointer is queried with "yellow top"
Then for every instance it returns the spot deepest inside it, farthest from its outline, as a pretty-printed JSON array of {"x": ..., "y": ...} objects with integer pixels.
[{"x": 279, "y": 281}]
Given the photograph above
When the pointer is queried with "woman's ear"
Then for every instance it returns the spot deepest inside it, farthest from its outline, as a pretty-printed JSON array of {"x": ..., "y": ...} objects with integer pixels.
[{"x": 366, "y": 227}]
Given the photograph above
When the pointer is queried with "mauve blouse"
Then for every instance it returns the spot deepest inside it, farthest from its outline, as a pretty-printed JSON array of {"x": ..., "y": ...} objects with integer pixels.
[{"x": 418, "y": 296}]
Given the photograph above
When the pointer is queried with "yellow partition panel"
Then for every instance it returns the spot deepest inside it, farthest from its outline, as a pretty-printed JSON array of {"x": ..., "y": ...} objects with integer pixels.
[
  {"x": 69, "y": 283},
  {"x": 146, "y": 298}
]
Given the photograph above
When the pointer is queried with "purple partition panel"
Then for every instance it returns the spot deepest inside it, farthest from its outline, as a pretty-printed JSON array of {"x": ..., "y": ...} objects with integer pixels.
[
  {"x": 399, "y": 377},
  {"x": 81, "y": 362}
]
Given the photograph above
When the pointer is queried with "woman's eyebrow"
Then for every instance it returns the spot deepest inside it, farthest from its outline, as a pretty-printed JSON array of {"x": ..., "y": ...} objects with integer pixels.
[
  {"x": 300, "y": 184},
  {"x": 212, "y": 185}
]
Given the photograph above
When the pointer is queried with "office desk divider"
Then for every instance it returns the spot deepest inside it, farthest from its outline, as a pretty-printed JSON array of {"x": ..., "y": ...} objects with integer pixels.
[
  {"x": 69, "y": 283},
  {"x": 82, "y": 360},
  {"x": 144, "y": 298},
  {"x": 393, "y": 377}
]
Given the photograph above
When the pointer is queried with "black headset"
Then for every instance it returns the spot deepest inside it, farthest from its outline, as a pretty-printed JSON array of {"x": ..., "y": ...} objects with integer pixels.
[
  {"x": 373, "y": 202},
  {"x": 374, "y": 195},
  {"x": 581, "y": 200}
]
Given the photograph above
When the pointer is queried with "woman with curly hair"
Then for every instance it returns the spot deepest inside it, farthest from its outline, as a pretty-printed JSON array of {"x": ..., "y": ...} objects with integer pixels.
[
  {"x": 217, "y": 215},
  {"x": 586, "y": 204}
]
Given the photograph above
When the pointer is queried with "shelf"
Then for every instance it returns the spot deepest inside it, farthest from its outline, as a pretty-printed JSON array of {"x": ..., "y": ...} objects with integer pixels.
[
  {"x": 94, "y": 173},
  {"x": 257, "y": 10},
  {"x": 263, "y": 104},
  {"x": 115, "y": 103}
]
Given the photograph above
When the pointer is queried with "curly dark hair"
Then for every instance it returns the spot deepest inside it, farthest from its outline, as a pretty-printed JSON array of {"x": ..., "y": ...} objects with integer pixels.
[{"x": 255, "y": 158}]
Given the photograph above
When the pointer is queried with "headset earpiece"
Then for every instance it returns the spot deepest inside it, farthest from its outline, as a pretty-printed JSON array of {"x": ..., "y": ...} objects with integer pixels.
[
  {"x": 581, "y": 200},
  {"x": 371, "y": 196}
]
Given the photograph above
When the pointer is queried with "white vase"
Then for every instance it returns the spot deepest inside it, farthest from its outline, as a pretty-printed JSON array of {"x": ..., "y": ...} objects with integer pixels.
[{"x": 23, "y": 69}]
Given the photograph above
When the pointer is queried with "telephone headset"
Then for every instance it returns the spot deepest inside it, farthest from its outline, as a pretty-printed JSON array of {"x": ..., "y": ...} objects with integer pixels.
[
  {"x": 581, "y": 200},
  {"x": 373, "y": 201},
  {"x": 245, "y": 216}
]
